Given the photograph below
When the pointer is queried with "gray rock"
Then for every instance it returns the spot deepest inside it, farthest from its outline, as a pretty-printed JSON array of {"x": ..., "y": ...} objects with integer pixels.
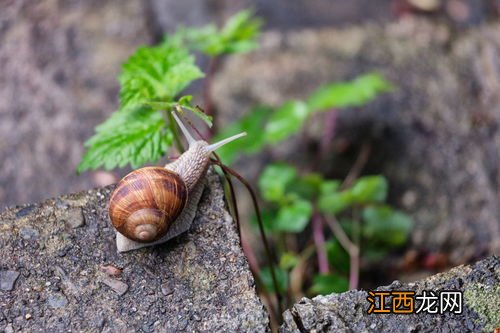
[
  {"x": 347, "y": 312},
  {"x": 58, "y": 79},
  {"x": 435, "y": 137},
  {"x": 28, "y": 233},
  {"x": 118, "y": 286},
  {"x": 8, "y": 279},
  {"x": 72, "y": 217},
  {"x": 57, "y": 301},
  {"x": 170, "y": 287}
]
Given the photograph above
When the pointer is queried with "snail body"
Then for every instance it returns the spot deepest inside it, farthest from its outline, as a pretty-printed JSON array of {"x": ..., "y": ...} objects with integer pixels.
[{"x": 152, "y": 205}]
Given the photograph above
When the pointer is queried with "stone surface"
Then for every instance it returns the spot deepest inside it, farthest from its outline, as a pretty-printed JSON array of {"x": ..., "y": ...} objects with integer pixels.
[
  {"x": 58, "y": 67},
  {"x": 435, "y": 138},
  {"x": 347, "y": 312},
  {"x": 199, "y": 282},
  {"x": 8, "y": 279},
  {"x": 73, "y": 217}
]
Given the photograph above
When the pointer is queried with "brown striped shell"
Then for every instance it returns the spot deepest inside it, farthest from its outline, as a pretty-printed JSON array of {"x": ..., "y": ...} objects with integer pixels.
[{"x": 146, "y": 202}]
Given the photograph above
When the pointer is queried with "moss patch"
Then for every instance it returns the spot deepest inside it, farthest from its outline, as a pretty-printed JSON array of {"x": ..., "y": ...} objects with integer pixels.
[{"x": 485, "y": 300}]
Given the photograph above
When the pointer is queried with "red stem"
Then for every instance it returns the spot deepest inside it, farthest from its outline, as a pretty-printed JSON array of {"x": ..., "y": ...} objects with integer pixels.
[
  {"x": 319, "y": 241},
  {"x": 350, "y": 247}
]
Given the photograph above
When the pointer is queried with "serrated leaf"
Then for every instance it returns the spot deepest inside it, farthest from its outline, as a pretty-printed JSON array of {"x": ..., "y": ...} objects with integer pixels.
[
  {"x": 133, "y": 136},
  {"x": 156, "y": 73},
  {"x": 369, "y": 189},
  {"x": 253, "y": 142},
  {"x": 274, "y": 179},
  {"x": 348, "y": 94},
  {"x": 386, "y": 226},
  {"x": 324, "y": 284},
  {"x": 285, "y": 121},
  {"x": 294, "y": 216}
]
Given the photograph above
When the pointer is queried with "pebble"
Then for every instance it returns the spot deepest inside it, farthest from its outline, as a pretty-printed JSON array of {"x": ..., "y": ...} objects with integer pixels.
[
  {"x": 28, "y": 233},
  {"x": 8, "y": 279},
  {"x": 24, "y": 211},
  {"x": 27, "y": 316},
  {"x": 56, "y": 301},
  {"x": 111, "y": 270},
  {"x": 73, "y": 217},
  {"x": 165, "y": 289},
  {"x": 118, "y": 286}
]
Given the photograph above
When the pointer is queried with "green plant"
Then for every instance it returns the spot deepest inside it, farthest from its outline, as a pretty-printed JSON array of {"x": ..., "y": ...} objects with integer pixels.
[
  {"x": 151, "y": 81},
  {"x": 354, "y": 210},
  {"x": 354, "y": 214},
  {"x": 287, "y": 119}
]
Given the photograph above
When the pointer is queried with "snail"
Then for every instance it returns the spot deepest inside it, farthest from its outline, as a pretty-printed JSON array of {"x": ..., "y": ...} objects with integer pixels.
[{"x": 152, "y": 205}]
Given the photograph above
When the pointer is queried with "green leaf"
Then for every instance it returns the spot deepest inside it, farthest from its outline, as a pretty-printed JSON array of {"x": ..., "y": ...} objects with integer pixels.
[
  {"x": 285, "y": 121},
  {"x": 324, "y": 284},
  {"x": 294, "y": 216},
  {"x": 133, "y": 136},
  {"x": 281, "y": 277},
  {"x": 288, "y": 261},
  {"x": 268, "y": 217},
  {"x": 252, "y": 123},
  {"x": 337, "y": 256},
  {"x": 156, "y": 73},
  {"x": 386, "y": 226},
  {"x": 369, "y": 189},
  {"x": 334, "y": 202},
  {"x": 329, "y": 186},
  {"x": 358, "y": 92},
  {"x": 239, "y": 34},
  {"x": 274, "y": 179},
  {"x": 307, "y": 186},
  {"x": 184, "y": 102}
]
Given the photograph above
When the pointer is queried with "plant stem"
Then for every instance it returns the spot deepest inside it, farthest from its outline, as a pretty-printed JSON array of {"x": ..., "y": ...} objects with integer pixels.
[
  {"x": 272, "y": 260},
  {"x": 298, "y": 272},
  {"x": 232, "y": 197},
  {"x": 254, "y": 267},
  {"x": 169, "y": 120},
  {"x": 350, "y": 247},
  {"x": 319, "y": 241},
  {"x": 358, "y": 165}
]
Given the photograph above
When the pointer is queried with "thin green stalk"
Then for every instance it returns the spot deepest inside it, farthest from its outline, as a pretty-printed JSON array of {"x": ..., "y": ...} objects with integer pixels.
[
  {"x": 271, "y": 258},
  {"x": 169, "y": 120}
]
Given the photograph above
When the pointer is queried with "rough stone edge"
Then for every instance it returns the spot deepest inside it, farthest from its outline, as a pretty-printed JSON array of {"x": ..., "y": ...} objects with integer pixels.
[{"x": 480, "y": 284}]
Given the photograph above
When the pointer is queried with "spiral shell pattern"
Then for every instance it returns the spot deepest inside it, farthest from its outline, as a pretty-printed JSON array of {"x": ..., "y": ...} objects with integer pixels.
[{"x": 146, "y": 202}]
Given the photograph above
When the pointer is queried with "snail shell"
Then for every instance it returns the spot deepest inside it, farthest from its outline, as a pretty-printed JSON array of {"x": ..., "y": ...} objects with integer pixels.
[
  {"x": 146, "y": 202},
  {"x": 153, "y": 204}
]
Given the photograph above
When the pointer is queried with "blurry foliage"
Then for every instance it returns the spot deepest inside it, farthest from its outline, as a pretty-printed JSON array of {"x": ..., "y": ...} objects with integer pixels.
[
  {"x": 287, "y": 119},
  {"x": 292, "y": 198},
  {"x": 142, "y": 130},
  {"x": 239, "y": 34}
]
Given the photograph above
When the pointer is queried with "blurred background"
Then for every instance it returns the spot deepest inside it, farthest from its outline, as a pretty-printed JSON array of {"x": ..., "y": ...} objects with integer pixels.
[{"x": 435, "y": 137}]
